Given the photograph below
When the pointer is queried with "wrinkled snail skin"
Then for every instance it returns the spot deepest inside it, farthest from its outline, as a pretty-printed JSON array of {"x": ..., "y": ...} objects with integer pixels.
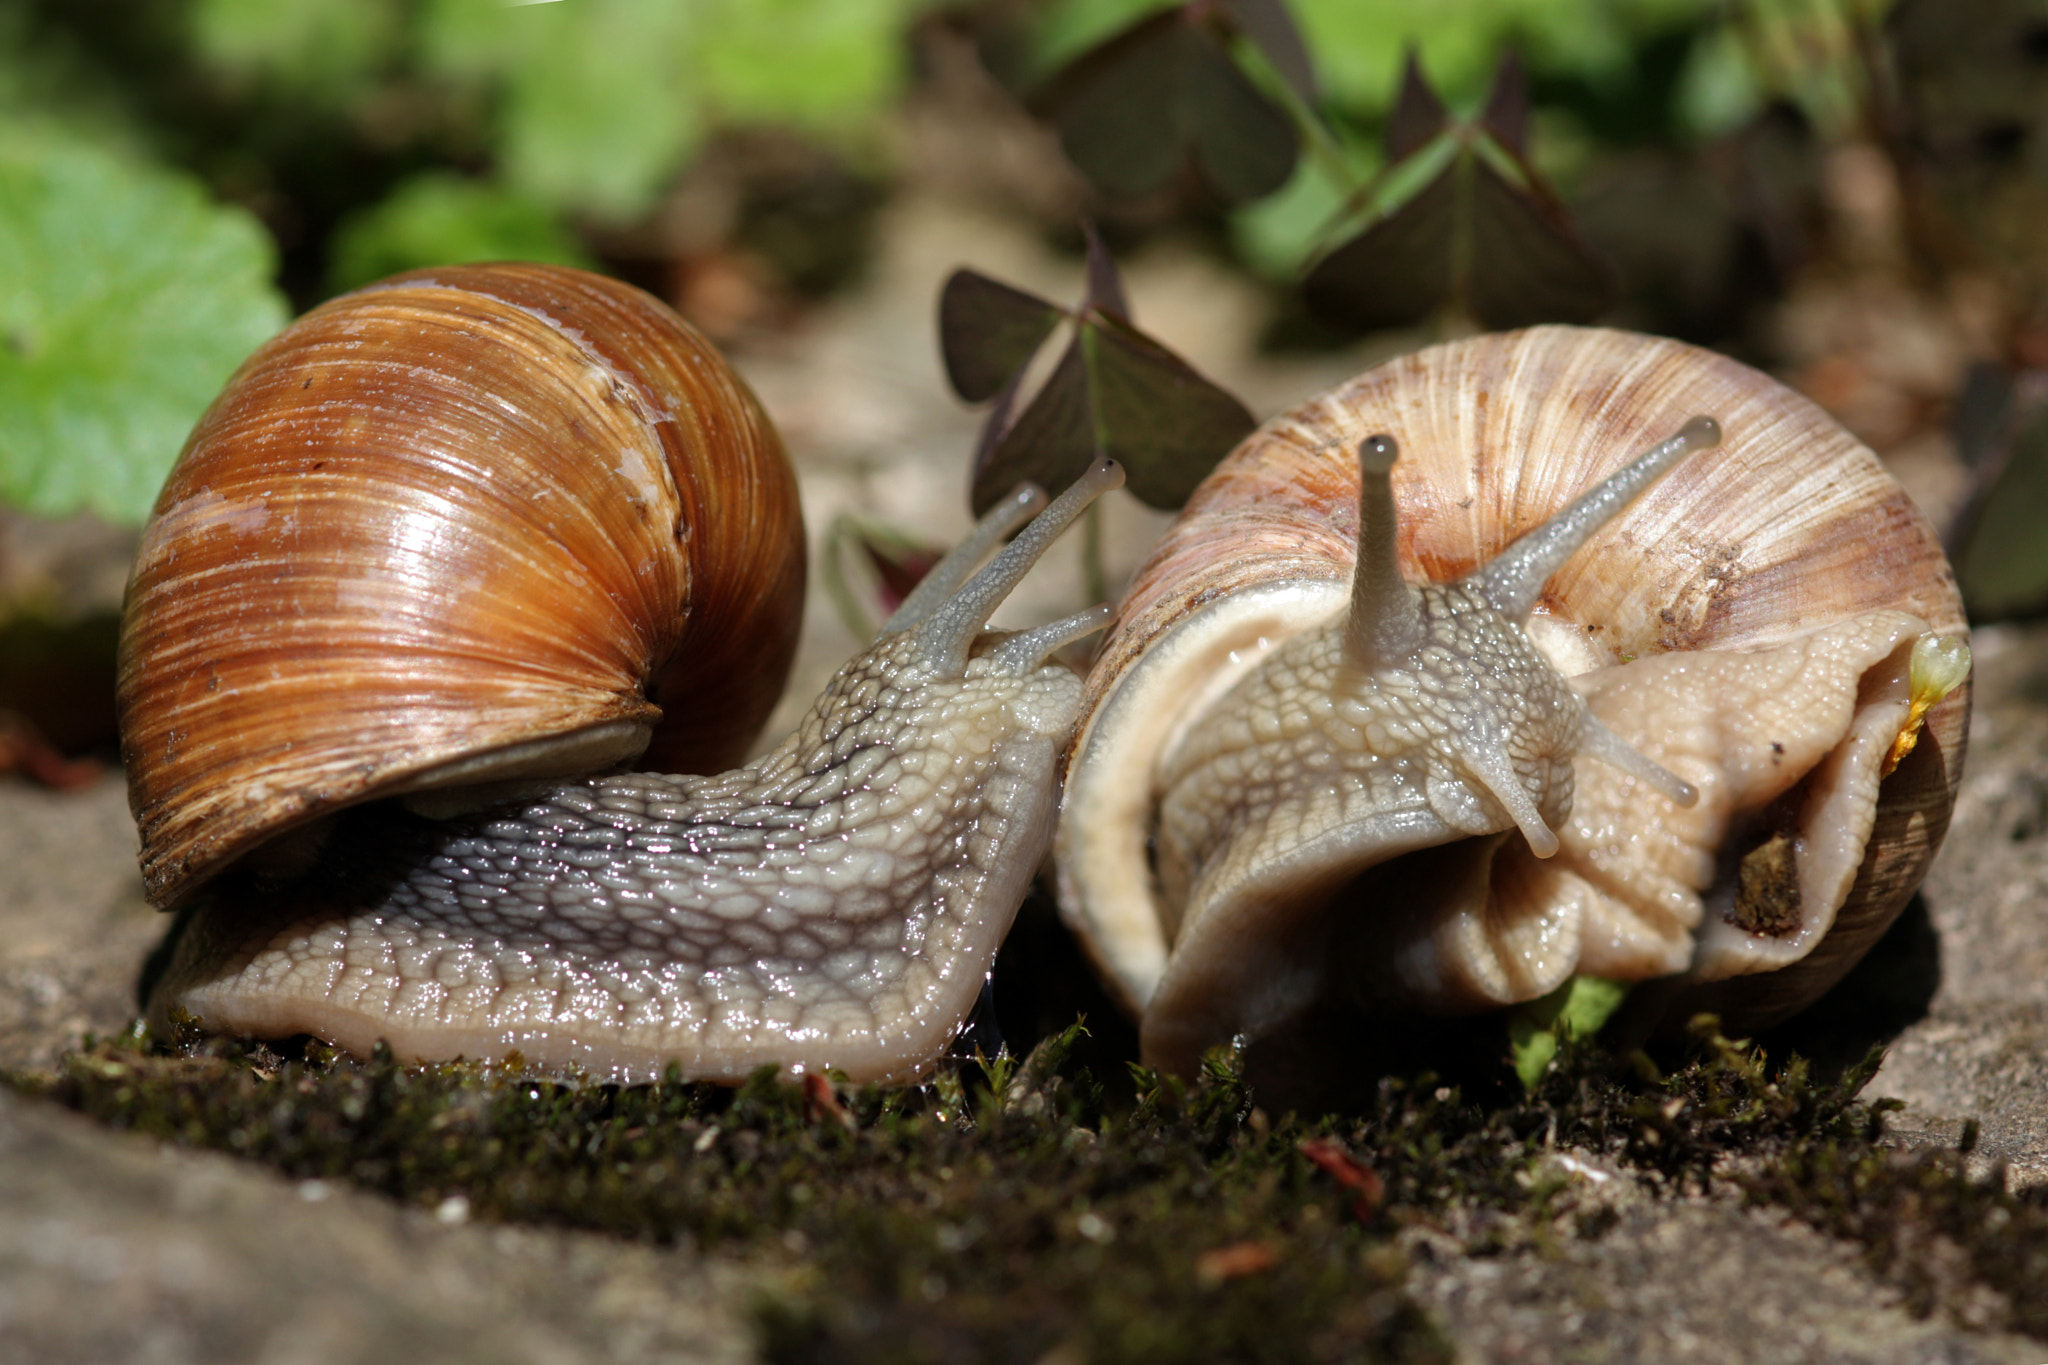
[
  {"x": 835, "y": 903},
  {"x": 1263, "y": 820}
]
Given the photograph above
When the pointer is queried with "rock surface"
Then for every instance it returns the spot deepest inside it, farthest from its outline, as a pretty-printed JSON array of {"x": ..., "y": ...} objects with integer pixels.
[
  {"x": 115, "y": 1249},
  {"x": 1691, "y": 1280},
  {"x": 1981, "y": 1051}
]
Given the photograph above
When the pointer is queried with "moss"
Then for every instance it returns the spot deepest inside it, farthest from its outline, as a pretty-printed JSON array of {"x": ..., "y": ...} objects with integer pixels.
[
  {"x": 999, "y": 1213},
  {"x": 1011, "y": 1209},
  {"x": 1926, "y": 1225}
]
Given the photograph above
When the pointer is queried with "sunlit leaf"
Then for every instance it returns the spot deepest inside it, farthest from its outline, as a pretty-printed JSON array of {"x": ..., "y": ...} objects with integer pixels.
[
  {"x": 1113, "y": 391},
  {"x": 595, "y": 104},
  {"x": 317, "y": 50},
  {"x": 1527, "y": 263},
  {"x": 1577, "y": 1009},
  {"x": 1166, "y": 93},
  {"x": 598, "y": 103},
  {"x": 127, "y": 297},
  {"x": 1483, "y": 235},
  {"x": 802, "y": 62},
  {"x": 1273, "y": 236},
  {"x": 1165, "y": 422},
  {"x": 988, "y": 331}
]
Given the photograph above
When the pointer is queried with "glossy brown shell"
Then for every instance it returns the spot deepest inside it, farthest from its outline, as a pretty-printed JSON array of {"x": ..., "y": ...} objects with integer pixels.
[
  {"x": 459, "y": 512},
  {"x": 1789, "y": 525}
]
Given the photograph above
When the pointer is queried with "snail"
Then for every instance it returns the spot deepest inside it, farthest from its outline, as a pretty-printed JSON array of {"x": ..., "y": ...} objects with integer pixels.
[
  {"x": 445, "y": 555},
  {"x": 1302, "y": 785}
]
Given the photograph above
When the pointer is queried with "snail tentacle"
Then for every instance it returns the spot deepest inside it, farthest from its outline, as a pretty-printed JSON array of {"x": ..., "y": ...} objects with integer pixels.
[
  {"x": 947, "y": 634},
  {"x": 1030, "y": 649},
  {"x": 1514, "y": 578},
  {"x": 445, "y": 555},
  {"x": 975, "y": 549},
  {"x": 1385, "y": 619},
  {"x": 1240, "y": 869},
  {"x": 1602, "y": 743}
]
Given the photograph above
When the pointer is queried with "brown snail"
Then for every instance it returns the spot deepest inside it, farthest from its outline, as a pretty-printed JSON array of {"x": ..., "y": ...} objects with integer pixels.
[
  {"x": 1301, "y": 783},
  {"x": 473, "y": 538}
]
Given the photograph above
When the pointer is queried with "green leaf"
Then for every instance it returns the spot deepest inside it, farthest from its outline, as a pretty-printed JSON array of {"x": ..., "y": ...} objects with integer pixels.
[
  {"x": 989, "y": 331},
  {"x": 1115, "y": 391},
  {"x": 598, "y": 103},
  {"x": 126, "y": 300},
  {"x": 811, "y": 63},
  {"x": 322, "y": 51},
  {"x": 1483, "y": 235},
  {"x": 1274, "y": 235},
  {"x": 1164, "y": 93},
  {"x": 597, "y": 99},
  {"x": 438, "y": 219},
  {"x": 1577, "y": 1009}
]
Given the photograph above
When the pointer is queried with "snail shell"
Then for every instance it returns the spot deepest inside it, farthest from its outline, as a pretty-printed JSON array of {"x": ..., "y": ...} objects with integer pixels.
[
  {"x": 1747, "y": 624},
  {"x": 390, "y": 560},
  {"x": 474, "y": 538}
]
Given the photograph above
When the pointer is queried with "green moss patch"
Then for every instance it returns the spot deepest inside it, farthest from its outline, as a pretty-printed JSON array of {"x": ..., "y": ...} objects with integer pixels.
[{"x": 1006, "y": 1211}]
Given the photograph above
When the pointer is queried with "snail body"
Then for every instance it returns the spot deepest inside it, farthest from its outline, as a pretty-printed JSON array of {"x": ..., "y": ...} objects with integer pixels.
[
  {"x": 834, "y": 903},
  {"x": 1239, "y": 847}
]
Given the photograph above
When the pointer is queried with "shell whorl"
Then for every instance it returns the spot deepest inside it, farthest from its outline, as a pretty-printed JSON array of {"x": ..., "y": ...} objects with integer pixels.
[
  {"x": 1740, "y": 546},
  {"x": 467, "y": 523}
]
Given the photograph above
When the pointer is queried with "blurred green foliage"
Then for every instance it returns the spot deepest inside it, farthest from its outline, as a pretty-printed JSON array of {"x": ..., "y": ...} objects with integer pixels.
[
  {"x": 371, "y": 136},
  {"x": 449, "y": 220},
  {"x": 391, "y": 133},
  {"x": 126, "y": 300},
  {"x": 591, "y": 105},
  {"x": 1745, "y": 50}
]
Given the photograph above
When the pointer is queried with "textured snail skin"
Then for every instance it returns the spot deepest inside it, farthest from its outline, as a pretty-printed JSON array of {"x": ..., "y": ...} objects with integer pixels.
[
  {"x": 834, "y": 904},
  {"x": 1747, "y": 625}
]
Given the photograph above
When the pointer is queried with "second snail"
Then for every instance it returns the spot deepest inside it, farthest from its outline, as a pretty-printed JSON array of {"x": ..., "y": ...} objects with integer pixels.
[{"x": 1702, "y": 726}]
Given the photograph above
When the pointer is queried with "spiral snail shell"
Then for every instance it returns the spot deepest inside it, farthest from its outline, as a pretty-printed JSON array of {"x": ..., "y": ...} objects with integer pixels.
[
  {"x": 474, "y": 538},
  {"x": 1272, "y": 808}
]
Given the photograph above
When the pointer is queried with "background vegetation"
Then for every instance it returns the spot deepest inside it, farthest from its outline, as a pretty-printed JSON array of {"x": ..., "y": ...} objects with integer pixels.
[{"x": 1849, "y": 192}]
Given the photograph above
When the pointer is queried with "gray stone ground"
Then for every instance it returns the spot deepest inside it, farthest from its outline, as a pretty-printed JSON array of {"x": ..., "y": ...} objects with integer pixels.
[
  {"x": 1982, "y": 1050},
  {"x": 114, "y": 1249}
]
